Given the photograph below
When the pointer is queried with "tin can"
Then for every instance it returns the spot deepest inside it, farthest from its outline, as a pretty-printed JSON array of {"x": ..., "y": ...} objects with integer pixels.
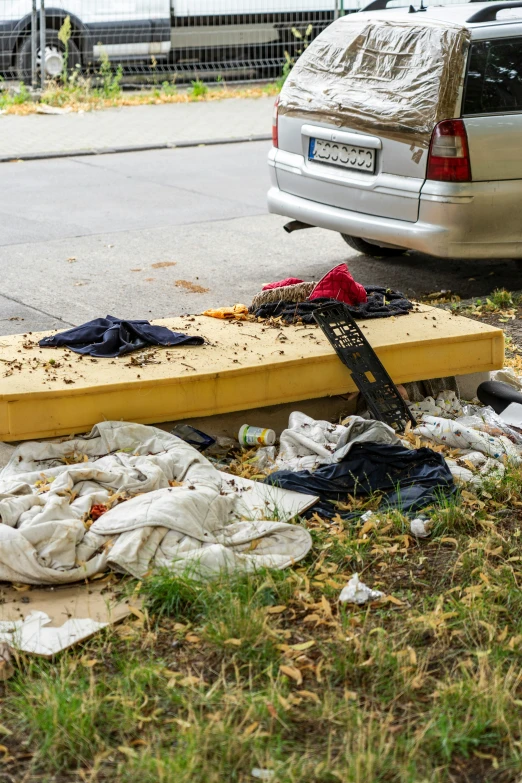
[{"x": 256, "y": 436}]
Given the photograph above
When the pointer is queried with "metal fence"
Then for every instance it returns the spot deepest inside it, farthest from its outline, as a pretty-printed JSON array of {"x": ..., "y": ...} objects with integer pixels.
[{"x": 158, "y": 41}]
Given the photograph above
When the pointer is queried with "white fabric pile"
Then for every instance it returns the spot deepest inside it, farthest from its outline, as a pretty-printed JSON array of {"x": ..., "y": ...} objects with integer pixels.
[
  {"x": 483, "y": 442},
  {"x": 308, "y": 443},
  {"x": 167, "y": 507},
  {"x": 446, "y": 405}
]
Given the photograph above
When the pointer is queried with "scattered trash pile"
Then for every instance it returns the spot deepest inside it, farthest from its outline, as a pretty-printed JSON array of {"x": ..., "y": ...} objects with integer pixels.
[
  {"x": 131, "y": 498},
  {"x": 293, "y": 300}
]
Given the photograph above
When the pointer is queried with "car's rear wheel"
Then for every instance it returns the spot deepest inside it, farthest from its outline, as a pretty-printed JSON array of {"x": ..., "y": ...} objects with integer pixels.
[{"x": 369, "y": 249}]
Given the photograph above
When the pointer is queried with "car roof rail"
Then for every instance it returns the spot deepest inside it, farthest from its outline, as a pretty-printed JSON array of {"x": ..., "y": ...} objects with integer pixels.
[
  {"x": 489, "y": 13},
  {"x": 379, "y": 5}
]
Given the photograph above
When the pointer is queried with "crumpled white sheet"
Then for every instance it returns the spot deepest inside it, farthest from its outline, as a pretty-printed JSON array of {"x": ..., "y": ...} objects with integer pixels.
[
  {"x": 44, "y": 503},
  {"x": 473, "y": 467},
  {"x": 447, "y": 405},
  {"x": 308, "y": 443},
  {"x": 484, "y": 442},
  {"x": 457, "y": 435}
]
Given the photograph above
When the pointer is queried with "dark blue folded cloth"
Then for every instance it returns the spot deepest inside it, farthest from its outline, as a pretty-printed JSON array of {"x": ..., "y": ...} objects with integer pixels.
[{"x": 109, "y": 337}]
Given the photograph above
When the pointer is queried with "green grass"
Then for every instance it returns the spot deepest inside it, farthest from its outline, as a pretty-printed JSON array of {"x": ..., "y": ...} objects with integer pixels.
[
  {"x": 500, "y": 299},
  {"x": 78, "y": 92},
  {"x": 268, "y": 671},
  {"x": 199, "y": 89}
]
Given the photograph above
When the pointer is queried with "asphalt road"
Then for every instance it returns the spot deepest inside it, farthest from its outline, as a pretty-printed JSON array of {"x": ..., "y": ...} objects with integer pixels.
[{"x": 154, "y": 234}]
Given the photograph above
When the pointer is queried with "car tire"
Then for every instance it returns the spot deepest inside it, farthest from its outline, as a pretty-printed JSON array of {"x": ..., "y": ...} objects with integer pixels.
[
  {"x": 23, "y": 57},
  {"x": 369, "y": 249}
]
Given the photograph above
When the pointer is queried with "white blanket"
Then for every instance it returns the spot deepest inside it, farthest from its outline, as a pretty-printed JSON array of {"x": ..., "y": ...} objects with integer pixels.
[
  {"x": 308, "y": 443},
  {"x": 167, "y": 508}
]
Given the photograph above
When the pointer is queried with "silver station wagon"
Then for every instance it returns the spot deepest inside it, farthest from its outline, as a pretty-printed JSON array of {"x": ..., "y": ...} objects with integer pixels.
[{"x": 402, "y": 129}]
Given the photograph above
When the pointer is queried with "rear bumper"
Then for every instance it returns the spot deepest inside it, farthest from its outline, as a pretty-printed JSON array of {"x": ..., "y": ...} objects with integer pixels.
[
  {"x": 469, "y": 220},
  {"x": 416, "y": 236}
]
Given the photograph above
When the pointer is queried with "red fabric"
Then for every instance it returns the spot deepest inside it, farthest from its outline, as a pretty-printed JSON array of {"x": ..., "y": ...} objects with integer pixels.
[
  {"x": 339, "y": 284},
  {"x": 281, "y": 283}
]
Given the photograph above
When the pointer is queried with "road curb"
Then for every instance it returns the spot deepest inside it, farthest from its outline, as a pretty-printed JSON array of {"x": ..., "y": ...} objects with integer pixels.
[{"x": 131, "y": 148}]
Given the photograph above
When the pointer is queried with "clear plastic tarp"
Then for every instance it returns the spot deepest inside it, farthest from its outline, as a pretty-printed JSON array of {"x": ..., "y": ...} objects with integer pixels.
[{"x": 395, "y": 77}]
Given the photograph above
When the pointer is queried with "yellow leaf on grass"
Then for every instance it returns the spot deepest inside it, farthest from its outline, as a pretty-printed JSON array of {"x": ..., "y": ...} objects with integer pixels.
[
  {"x": 368, "y": 525},
  {"x": 325, "y": 605},
  {"x": 283, "y": 702},
  {"x": 310, "y": 695},
  {"x": 448, "y": 540},
  {"x": 302, "y": 646},
  {"x": 137, "y": 613},
  {"x": 250, "y": 729},
  {"x": 311, "y": 618},
  {"x": 3, "y": 749},
  {"x": 191, "y": 680},
  {"x": 184, "y": 724},
  {"x": 234, "y": 642},
  {"x": 334, "y": 584},
  {"x": 89, "y": 663},
  {"x": 191, "y": 637},
  {"x": 503, "y": 635},
  {"x": 392, "y": 600},
  {"x": 5, "y": 730},
  {"x": 276, "y": 609},
  {"x": 127, "y": 751},
  {"x": 293, "y": 673}
]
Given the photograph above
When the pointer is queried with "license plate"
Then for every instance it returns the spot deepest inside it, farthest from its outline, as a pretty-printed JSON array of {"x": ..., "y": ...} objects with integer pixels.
[{"x": 345, "y": 155}]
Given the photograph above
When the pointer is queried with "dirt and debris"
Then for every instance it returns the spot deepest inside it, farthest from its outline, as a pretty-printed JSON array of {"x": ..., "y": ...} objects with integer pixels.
[{"x": 193, "y": 288}]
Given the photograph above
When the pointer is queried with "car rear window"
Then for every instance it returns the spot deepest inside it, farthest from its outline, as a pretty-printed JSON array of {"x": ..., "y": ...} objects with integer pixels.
[{"x": 494, "y": 81}]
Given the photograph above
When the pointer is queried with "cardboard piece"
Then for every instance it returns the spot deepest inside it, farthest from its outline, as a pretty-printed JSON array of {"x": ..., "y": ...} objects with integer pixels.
[{"x": 47, "y": 620}]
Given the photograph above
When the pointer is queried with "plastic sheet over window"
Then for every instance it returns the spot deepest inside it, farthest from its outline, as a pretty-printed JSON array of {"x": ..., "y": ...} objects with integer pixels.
[{"x": 397, "y": 78}]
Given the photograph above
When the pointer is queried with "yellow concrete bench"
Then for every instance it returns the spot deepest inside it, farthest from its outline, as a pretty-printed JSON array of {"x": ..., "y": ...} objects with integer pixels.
[{"x": 46, "y": 392}]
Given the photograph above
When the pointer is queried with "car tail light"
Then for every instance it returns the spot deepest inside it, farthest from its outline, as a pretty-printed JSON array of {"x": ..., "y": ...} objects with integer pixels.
[
  {"x": 275, "y": 137},
  {"x": 448, "y": 159}
]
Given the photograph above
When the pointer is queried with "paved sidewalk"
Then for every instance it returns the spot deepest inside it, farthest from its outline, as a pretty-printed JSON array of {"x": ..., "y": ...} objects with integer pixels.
[{"x": 134, "y": 127}]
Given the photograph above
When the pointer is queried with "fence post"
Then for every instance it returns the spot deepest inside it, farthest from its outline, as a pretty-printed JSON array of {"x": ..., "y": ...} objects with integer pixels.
[
  {"x": 336, "y": 9},
  {"x": 34, "y": 43},
  {"x": 42, "y": 44}
]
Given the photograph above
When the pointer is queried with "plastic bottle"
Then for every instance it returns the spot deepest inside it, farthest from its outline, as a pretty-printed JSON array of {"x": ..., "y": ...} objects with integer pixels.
[{"x": 256, "y": 436}]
